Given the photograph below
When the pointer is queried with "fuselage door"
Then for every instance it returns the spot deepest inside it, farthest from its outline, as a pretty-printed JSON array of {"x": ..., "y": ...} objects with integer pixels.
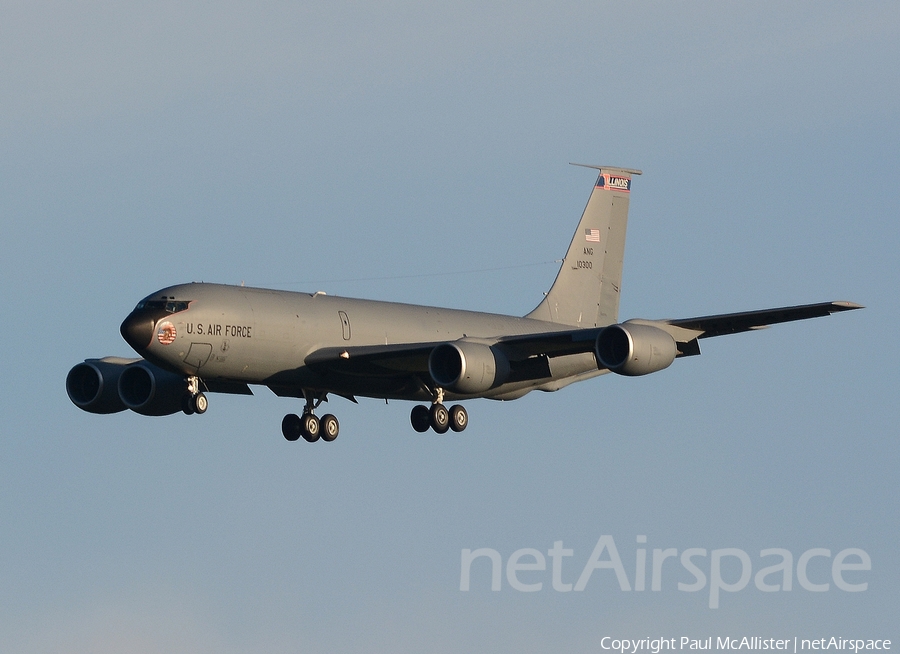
[
  {"x": 345, "y": 325},
  {"x": 198, "y": 354}
]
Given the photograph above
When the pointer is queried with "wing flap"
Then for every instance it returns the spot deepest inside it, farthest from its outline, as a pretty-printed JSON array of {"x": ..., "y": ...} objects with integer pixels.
[{"x": 373, "y": 359}]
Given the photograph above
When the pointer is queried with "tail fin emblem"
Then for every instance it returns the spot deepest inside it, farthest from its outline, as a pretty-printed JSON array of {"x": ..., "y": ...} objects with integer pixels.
[{"x": 619, "y": 183}]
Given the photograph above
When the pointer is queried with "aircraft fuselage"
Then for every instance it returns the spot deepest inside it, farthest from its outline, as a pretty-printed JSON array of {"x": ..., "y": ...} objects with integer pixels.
[{"x": 261, "y": 336}]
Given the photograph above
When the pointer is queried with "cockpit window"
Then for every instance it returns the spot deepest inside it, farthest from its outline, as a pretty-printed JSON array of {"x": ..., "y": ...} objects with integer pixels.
[{"x": 170, "y": 306}]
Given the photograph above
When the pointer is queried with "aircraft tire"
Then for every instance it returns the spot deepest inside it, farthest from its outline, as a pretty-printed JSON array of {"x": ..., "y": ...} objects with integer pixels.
[
  {"x": 200, "y": 403},
  {"x": 420, "y": 419},
  {"x": 290, "y": 427},
  {"x": 329, "y": 427},
  {"x": 309, "y": 427},
  {"x": 187, "y": 405},
  {"x": 459, "y": 418},
  {"x": 440, "y": 418}
]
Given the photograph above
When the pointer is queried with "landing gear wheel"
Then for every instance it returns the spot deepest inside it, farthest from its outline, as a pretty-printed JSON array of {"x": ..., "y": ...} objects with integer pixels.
[
  {"x": 309, "y": 428},
  {"x": 420, "y": 419},
  {"x": 440, "y": 418},
  {"x": 200, "y": 403},
  {"x": 290, "y": 427},
  {"x": 329, "y": 427},
  {"x": 459, "y": 419},
  {"x": 187, "y": 405}
]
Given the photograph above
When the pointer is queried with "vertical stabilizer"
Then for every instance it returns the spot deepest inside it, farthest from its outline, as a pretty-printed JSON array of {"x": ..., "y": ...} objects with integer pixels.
[{"x": 586, "y": 290}]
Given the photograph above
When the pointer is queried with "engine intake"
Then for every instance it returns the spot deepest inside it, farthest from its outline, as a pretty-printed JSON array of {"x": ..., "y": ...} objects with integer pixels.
[
  {"x": 467, "y": 367},
  {"x": 151, "y": 391},
  {"x": 634, "y": 349},
  {"x": 93, "y": 385}
]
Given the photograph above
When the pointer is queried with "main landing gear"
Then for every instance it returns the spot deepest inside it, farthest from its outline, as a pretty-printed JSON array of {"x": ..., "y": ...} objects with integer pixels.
[
  {"x": 310, "y": 427},
  {"x": 438, "y": 417},
  {"x": 423, "y": 418},
  {"x": 194, "y": 401}
]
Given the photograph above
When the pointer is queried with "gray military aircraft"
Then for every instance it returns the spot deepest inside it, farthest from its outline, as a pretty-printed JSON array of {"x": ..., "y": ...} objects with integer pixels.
[{"x": 196, "y": 338}]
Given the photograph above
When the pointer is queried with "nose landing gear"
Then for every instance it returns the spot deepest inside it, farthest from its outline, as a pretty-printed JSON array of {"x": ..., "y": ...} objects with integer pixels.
[{"x": 194, "y": 400}]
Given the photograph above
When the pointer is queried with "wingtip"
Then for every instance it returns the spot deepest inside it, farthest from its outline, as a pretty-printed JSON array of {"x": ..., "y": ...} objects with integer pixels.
[{"x": 843, "y": 305}]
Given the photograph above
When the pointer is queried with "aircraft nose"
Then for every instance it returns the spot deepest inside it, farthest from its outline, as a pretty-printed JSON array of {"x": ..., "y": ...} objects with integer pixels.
[{"x": 137, "y": 330}]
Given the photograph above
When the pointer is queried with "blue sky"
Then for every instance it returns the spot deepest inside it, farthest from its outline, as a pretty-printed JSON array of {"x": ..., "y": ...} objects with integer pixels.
[{"x": 393, "y": 151}]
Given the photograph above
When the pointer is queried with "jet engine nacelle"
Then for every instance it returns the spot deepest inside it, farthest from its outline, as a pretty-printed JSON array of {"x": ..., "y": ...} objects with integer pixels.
[
  {"x": 633, "y": 349},
  {"x": 114, "y": 384},
  {"x": 93, "y": 385},
  {"x": 151, "y": 391},
  {"x": 467, "y": 367}
]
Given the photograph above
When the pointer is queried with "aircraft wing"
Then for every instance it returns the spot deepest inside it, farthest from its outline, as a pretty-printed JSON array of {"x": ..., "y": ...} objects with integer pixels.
[
  {"x": 405, "y": 366},
  {"x": 413, "y": 357},
  {"x": 529, "y": 352},
  {"x": 734, "y": 323},
  {"x": 683, "y": 330}
]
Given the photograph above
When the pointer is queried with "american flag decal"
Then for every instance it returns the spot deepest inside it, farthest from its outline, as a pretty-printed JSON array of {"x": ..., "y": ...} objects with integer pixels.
[
  {"x": 166, "y": 333},
  {"x": 592, "y": 235}
]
